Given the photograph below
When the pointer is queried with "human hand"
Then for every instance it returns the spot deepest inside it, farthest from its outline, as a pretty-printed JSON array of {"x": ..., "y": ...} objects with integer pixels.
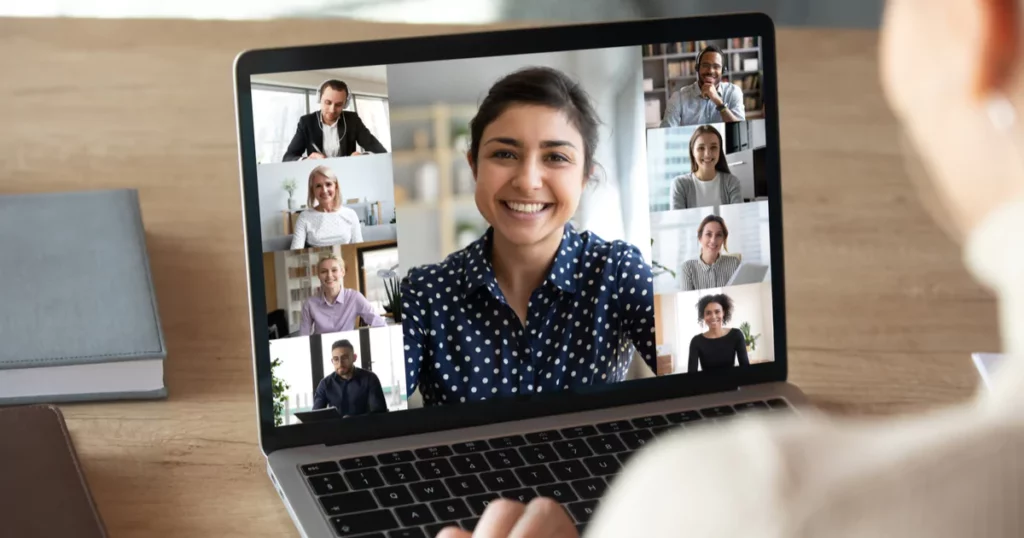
[
  {"x": 316, "y": 155},
  {"x": 504, "y": 518},
  {"x": 708, "y": 90}
]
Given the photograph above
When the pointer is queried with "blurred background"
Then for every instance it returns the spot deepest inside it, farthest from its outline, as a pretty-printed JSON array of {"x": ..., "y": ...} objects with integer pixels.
[{"x": 828, "y": 13}]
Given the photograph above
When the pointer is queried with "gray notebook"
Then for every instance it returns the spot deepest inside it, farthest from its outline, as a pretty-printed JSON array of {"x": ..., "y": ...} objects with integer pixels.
[{"x": 78, "y": 315}]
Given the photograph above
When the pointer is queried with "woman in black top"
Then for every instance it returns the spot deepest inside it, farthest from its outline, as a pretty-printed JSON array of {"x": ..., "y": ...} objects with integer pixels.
[{"x": 717, "y": 348}]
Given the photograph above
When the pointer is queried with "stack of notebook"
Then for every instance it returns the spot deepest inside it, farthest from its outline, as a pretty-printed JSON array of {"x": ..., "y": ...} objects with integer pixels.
[{"x": 78, "y": 315}]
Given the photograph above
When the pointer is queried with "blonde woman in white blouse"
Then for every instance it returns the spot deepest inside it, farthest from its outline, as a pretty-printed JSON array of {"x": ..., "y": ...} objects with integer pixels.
[
  {"x": 951, "y": 472},
  {"x": 326, "y": 222}
]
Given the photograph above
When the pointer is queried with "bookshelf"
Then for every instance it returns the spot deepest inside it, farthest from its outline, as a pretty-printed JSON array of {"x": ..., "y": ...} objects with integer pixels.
[{"x": 670, "y": 66}]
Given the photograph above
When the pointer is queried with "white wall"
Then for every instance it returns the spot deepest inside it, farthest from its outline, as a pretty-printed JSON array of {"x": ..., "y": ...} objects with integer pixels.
[
  {"x": 749, "y": 305},
  {"x": 295, "y": 370},
  {"x": 363, "y": 176}
]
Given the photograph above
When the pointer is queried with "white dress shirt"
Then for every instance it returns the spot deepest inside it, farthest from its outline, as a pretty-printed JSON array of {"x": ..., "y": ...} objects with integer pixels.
[
  {"x": 332, "y": 144},
  {"x": 324, "y": 229},
  {"x": 954, "y": 472}
]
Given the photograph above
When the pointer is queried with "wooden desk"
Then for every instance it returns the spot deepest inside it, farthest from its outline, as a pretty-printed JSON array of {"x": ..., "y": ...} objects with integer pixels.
[{"x": 882, "y": 317}]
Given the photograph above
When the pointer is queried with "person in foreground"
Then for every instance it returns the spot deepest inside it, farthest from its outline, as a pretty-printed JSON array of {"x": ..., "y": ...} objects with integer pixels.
[
  {"x": 587, "y": 302},
  {"x": 709, "y": 182},
  {"x": 711, "y": 269},
  {"x": 335, "y": 308},
  {"x": 719, "y": 348},
  {"x": 952, "y": 472},
  {"x": 331, "y": 131},
  {"x": 326, "y": 222},
  {"x": 350, "y": 390},
  {"x": 708, "y": 99}
]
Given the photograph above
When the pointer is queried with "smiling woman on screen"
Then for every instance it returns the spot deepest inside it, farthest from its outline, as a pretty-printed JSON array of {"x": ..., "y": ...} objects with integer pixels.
[
  {"x": 709, "y": 181},
  {"x": 534, "y": 305},
  {"x": 950, "y": 472},
  {"x": 327, "y": 222}
]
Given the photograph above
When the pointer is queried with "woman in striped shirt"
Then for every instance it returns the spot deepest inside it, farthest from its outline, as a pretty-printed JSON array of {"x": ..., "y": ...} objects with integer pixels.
[{"x": 711, "y": 269}]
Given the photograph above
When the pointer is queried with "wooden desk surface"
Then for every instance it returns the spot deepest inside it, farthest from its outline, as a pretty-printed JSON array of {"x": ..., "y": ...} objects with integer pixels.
[{"x": 882, "y": 316}]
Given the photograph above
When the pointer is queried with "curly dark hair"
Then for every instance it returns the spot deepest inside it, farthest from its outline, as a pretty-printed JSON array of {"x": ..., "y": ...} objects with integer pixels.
[{"x": 722, "y": 299}]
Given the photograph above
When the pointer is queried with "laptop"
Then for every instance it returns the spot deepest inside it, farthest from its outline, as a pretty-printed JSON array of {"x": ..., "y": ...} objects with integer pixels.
[
  {"x": 454, "y": 394},
  {"x": 748, "y": 273}
]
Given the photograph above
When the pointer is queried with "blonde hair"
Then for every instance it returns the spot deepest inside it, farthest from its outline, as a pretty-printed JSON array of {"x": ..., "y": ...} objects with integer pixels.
[
  {"x": 330, "y": 257},
  {"x": 327, "y": 173}
]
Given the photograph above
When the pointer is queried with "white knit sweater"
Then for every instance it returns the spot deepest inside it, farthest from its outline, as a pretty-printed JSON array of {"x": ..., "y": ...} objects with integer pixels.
[{"x": 957, "y": 472}]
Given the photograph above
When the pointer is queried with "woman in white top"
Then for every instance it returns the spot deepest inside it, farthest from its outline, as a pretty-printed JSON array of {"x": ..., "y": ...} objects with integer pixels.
[
  {"x": 951, "y": 472},
  {"x": 709, "y": 181},
  {"x": 327, "y": 222}
]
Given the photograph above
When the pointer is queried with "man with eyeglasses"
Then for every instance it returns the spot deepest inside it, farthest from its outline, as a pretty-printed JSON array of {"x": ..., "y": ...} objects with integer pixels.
[
  {"x": 350, "y": 390},
  {"x": 708, "y": 100}
]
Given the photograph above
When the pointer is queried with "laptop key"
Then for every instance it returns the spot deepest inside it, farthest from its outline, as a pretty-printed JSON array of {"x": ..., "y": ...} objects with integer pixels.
[
  {"x": 355, "y": 524},
  {"x": 504, "y": 459},
  {"x": 417, "y": 514},
  {"x": 523, "y": 495},
  {"x": 509, "y": 441},
  {"x": 746, "y": 407},
  {"x": 470, "y": 447},
  {"x": 650, "y": 422},
  {"x": 572, "y": 449},
  {"x": 661, "y": 430},
  {"x": 583, "y": 510},
  {"x": 432, "y": 452},
  {"x": 605, "y": 444},
  {"x": 450, "y": 509},
  {"x": 362, "y": 462},
  {"x": 347, "y": 503},
  {"x": 778, "y": 404},
  {"x": 470, "y": 463},
  {"x": 614, "y": 427},
  {"x": 569, "y": 470},
  {"x": 535, "y": 475},
  {"x": 431, "y": 490},
  {"x": 534, "y": 454},
  {"x": 602, "y": 465},
  {"x": 393, "y": 496},
  {"x": 559, "y": 492},
  {"x": 470, "y": 524},
  {"x": 391, "y": 458},
  {"x": 717, "y": 411},
  {"x": 578, "y": 431},
  {"x": 319, "y": 468},
  {"x": 435, "y": 528},
  {"x": 326, "y": 484},
  {"x": 590, "y": 488},
  {"x": 683, "y": 417},
  {"x": 403, "y": 473},
  {"x": 463, "y": 486},
  {"x": 543, "y": 437},
  {"x": 435, "y": 468},
  {"x": 364, "y": 479},
  {"x": 500, "y": 480},
  {"x": 478, "y": 503},
  {"x": 414, "y": 532},
  {"x": 636, "y": 438}
]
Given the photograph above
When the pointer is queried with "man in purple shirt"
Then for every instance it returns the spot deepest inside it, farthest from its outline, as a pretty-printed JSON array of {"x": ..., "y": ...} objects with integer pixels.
[{"x": 335, "y": 309}]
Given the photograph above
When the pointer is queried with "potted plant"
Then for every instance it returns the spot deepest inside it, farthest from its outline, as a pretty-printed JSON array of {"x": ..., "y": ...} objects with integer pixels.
[
  {"x": 661, "y": 269},
  {"x": 290, "y": 186},
  {"x": 392, "y": 285},
  {"x": 279, "y": 388},
  {"x": 751, "y": 340}
]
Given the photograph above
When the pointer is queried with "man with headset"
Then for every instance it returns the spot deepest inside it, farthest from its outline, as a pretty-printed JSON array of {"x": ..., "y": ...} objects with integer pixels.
[
  {"x": 331, "y": 131},
  {"x": 708, "y": 100}
]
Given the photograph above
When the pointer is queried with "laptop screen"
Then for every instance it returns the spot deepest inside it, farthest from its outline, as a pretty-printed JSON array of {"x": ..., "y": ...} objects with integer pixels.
[{"x": 456, "y": 231}]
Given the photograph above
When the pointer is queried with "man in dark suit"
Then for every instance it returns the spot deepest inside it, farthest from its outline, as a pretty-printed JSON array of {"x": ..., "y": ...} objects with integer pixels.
[
  {"x": 331, "y": 131},
  {"x": 350, "y": 390}
]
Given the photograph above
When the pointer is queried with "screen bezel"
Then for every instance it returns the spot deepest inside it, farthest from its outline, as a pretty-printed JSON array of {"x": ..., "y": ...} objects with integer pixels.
[{"x": 486, "y": 44}]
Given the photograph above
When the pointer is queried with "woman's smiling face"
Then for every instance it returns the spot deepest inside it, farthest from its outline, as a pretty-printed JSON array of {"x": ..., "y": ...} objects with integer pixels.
[{"x": 529, "y": 173}]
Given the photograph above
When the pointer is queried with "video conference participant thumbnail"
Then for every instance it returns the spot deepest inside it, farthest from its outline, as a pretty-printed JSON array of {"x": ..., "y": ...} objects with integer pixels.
[
  {"x": 718, "y": 348},
  {"x": 335, "y": 308},
  {"x": 331, "y": 131},
  {"x": 327, "y": 222},
  {"x": 349, "y": 389},
  {"x": 709, "y": 99},
  {"x": 709, "y": 181},
  {"x": 711, "y": 269},
  {"x": 534, "y": 305}
]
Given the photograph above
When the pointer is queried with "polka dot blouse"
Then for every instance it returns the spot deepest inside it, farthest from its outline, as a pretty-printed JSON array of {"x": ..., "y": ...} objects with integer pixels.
[{"x": 463, "y": 341}]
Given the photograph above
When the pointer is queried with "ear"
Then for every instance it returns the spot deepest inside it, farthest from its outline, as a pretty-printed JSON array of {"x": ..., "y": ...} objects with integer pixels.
[
  {"x": 472, "y": 163},
  {"x": 999, "y": 45},
  {"x": 590, "y": 175}
]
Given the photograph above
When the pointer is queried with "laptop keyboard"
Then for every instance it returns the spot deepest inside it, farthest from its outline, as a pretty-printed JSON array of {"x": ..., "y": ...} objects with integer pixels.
[{"x": 416, "y": 493}]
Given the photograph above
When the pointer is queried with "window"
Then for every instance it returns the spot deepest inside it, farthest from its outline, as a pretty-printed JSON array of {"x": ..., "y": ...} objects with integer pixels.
[
  {"x": 277, "y": 109},
  {"x": 383, "y": 259}
]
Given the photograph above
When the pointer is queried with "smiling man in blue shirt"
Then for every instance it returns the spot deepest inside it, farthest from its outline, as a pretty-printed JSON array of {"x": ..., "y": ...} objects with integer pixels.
[
  {"x": 533, "y": 306},
  {"x": 708, "y": 99}
]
